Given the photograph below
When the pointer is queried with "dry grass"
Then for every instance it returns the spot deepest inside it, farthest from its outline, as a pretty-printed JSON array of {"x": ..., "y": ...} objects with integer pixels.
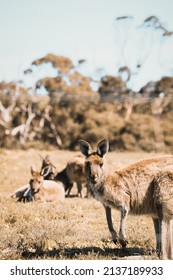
[{"x": 73, "y": 229}]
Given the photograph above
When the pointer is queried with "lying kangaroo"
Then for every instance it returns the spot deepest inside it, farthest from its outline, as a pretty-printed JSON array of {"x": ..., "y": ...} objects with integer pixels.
[
  {"x": 40, "y": 189},
  {"x": 44, "y": 190},
  {"x": 130, "y": 190}
]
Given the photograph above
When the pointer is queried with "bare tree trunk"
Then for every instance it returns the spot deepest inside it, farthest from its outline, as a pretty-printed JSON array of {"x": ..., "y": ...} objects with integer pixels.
[{"x": 53, "y": 128}]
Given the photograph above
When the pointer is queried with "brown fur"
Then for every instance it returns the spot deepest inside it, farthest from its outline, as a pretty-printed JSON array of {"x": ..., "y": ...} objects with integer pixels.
[
  {"x": 72, "y": 173},
  {"x": 163, "y": 200},
  {"x": 45, "y": 190},
  {"x": 76, "y": 172},
  {"x": 48, "y": 170},
  {"x": 130, "y": 190},
  {"x": 40, "y": 189}
]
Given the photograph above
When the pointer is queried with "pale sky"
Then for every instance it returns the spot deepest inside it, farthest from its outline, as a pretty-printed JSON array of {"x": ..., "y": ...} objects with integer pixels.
[{"x": 30, "y": 29}]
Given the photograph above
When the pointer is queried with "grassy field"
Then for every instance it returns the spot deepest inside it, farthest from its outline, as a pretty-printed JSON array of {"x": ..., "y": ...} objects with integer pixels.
[{"x": 74, "y": 229}]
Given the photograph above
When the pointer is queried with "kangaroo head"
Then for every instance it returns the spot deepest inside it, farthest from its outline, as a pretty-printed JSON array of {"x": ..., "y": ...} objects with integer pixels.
[
  {"x": 36, "y": 180},
  {"x": 94, "y": 161},
  {"x": 48, "y": 170}
]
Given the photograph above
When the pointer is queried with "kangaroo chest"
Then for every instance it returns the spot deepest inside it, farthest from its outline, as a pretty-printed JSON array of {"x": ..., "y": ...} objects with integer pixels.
[{"x": 99, "y": 193}]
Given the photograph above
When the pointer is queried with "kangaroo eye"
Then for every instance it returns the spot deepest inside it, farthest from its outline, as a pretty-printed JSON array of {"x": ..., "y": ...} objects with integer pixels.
[{"x": 101, "y": 165}]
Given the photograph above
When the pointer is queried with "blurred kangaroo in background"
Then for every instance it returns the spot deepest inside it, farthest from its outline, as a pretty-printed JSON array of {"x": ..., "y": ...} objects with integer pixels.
[
  {"x": 48, "y": 170},
  {"x": 73, "y": 173},
  {"x": 44, "y": 190},
  {"x": 40, "y": 189},
  {"x": 135, "y": 189}
]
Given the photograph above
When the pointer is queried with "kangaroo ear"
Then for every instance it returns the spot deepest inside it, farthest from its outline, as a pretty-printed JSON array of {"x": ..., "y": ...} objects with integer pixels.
[
  {"x": 102, "y": 147},
  {"x": 45, "y": 171},
  {"x": 85, "y": 147},
  {"x": 33, "y": 170}
]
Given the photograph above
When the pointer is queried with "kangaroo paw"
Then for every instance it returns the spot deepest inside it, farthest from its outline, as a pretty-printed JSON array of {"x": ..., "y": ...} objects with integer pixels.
[
  {"x": 123, "y": 242},
  {"x": 114, "y": 237}
]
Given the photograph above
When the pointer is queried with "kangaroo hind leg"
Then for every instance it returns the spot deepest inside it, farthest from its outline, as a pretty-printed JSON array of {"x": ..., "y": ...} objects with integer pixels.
[{"x": 156, "y": 223}]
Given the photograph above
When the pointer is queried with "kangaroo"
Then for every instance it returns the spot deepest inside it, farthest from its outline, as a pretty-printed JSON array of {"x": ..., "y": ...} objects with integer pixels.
[
  {"x": 40, "y": 189},
  {"x": 48, "y": 170},
  {"x": 73, "y": 172},
  {"x": 44, "y": 190},
  {"x": 163, "y": 198},
  {"x": 130, "y": 190},
  {"x": 76, "y": 173}
]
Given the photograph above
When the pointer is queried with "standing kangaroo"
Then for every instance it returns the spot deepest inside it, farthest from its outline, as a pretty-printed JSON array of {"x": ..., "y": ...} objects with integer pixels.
[
  {"x": 73, "y": 172},
  {"x": 131, "y": 190}
]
